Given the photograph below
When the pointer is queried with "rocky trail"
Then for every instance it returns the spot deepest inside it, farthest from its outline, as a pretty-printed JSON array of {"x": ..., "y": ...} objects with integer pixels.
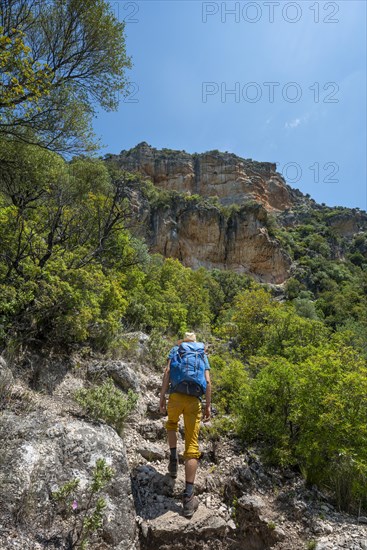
[{"x": 243, "y": 505}]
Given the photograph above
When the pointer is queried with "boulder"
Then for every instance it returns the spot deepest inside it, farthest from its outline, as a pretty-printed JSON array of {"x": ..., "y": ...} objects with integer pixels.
[
  {"x": 171, "y": 530},
  {"x": 137, "y": 344},
  {"x": 122, "y": 373},
  {"x": 152, "y": 452},
  {"x": 42, "y": 451}
]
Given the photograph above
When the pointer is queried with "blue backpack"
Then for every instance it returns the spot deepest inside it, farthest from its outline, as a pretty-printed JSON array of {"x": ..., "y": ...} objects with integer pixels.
[{"x": 187, "y": 369}]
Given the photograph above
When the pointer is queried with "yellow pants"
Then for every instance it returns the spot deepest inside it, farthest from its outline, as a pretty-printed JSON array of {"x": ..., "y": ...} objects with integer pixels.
[{"x": 190, "y": 407}]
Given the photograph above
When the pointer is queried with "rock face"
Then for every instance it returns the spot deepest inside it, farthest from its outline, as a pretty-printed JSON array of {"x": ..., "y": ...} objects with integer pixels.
[
  {"x": 345, "y": 225},
  {"x": 204, "y": 236},
  {"x": 231, "y": 234},
  {"x": 225, "y": 175},
  {"x": 41, "y": 452},
  {"x": 122, "y": 374}
]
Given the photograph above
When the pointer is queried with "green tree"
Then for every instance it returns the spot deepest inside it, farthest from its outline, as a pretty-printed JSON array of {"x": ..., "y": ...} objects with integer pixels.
[
  {"x": 312, "y": 413},
  {"x": 230, "y": 383},
  {"x": 66, "y": 249},
  {"x": 253, "y": 310},
  {"x": 61, "y": 60},
  {"x": 170, "y": 298}
]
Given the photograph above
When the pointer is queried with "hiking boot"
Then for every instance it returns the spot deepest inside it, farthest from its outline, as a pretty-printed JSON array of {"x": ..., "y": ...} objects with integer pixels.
[
  {"x": 190, "y": 505},
  {"x": 173, "y": 467}
]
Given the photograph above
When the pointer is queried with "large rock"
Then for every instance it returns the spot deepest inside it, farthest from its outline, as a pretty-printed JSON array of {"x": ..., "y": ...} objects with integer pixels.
[
  {"x": 230, "y": 178},
  {"x": 173, "y": 531},
  {"x": 139, "y": 340},
  {"x": 202, "y": 236},
  {"x": 40, "y": 452},
  {"x": 122, "y": 373}
]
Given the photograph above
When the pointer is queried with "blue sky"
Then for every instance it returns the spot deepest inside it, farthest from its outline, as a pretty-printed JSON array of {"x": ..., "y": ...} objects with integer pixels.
[{"x": 297, "y": 72}]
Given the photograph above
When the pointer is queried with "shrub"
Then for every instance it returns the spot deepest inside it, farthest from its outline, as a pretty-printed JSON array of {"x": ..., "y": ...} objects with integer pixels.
[
  {"x": 169, "y": 298},
  {"x": 158, "y": 349},
  {"x": 313, "y": 414},
  {"x": 87, "y": 512},
  {"x": 230, "y": 383},
  {"x": 108, "y": 403}
]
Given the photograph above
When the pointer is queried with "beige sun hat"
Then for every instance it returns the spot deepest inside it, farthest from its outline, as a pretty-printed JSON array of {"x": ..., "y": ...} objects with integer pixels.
[{"x": 189, "y": 337}]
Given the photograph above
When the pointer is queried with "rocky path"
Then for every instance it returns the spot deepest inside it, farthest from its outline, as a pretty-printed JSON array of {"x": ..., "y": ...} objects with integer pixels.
[
  {"x": 242, "y": 504},
  {"x": 46, "y": 441}
]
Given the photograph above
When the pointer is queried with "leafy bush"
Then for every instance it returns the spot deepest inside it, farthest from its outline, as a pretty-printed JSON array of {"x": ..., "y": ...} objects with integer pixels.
[
  {"x": 158, "y": 349},
  {"x": 169, "y": 298},
  {"x": 87, "y": 512},
  {"x": 305, "y": 308},
  {"x": 108, "y": 403},
  {"x": 66, "y": 255},
  {"x": 312, "y": 413},
  {"x": 252, "y": 312},
  {"x": 230, "y": 383}
]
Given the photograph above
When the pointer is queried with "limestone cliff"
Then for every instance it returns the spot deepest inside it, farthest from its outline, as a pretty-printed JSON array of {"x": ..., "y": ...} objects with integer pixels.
[
  {"x": 216, "y": 210},
  {"x": 232, "y": 179},
  {"x": 201, "y": 233}
]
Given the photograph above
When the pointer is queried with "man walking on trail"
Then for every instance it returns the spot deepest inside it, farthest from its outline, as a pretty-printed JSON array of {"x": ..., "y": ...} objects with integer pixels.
[{"x": 187, "y": 374}]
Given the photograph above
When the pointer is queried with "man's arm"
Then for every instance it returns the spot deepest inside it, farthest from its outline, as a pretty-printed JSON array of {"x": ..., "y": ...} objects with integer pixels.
[
  {"x": 208, "y": 397},
  {"x": 165, "y": 385}
]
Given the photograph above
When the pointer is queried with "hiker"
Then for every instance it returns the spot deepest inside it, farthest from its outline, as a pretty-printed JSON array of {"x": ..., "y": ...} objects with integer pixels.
[{"x": 187, "y": 374}]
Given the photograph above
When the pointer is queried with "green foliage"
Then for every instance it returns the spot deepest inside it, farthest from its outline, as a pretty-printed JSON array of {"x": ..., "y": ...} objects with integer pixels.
[
  {"x": 312, "y": 413},
  {"x": 305, "y": 308},
  {"x": 92, "y": 522},
  {"x": 301, "y": 391},
  {"x": 157, "y": 350},
  {"x": 85, "y": 513},
  {"x": 66, "y": 256},
  {"x": 51, "y": 88},
  {"x": 230, "y": 381},
  {"x": 271, "y": 225},
  {"x": 171, "y": 199},
  {"x": 64, "y": 492},
  {"x": 169, "y": 298},
  {"x": 335, "y": 287},
  {"x": 22, "y": 75},
  {"x": 252, "y": 311},
  {"x": 108, "y": 403},
  {"x": 357, "y": 258},
  {"x": 223, "y": 287},
  {"x": 102, "y": 475}
]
